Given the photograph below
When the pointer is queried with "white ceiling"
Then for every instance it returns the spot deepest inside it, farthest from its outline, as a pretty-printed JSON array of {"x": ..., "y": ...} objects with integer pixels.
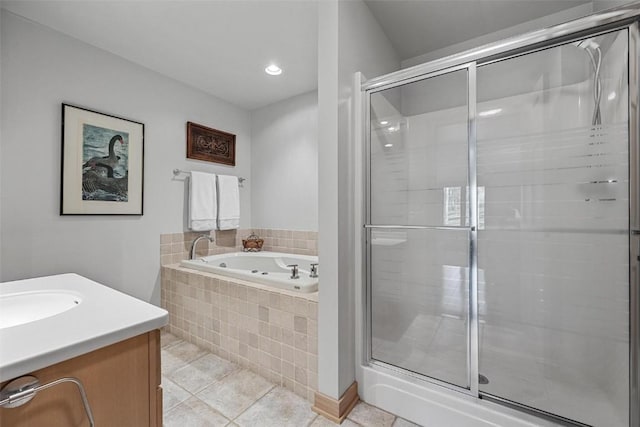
[
  {"x": 223, "y": 46},
  {"x": 416, "y": 27},
  {"x": 220, "y": 47}
]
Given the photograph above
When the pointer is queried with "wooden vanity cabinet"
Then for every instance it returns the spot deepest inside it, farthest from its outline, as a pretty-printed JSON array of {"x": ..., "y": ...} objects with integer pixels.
[{"x": 122, "y": 382}]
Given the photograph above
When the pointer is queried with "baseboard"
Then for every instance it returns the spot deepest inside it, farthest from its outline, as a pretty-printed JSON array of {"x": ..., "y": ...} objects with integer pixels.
[{"x": 336, "y": 410}]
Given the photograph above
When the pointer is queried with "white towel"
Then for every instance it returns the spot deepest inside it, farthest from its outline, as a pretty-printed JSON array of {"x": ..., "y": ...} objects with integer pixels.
[
  {"x": 228, "y": 202},
  {"x": 203, "y": 204}
]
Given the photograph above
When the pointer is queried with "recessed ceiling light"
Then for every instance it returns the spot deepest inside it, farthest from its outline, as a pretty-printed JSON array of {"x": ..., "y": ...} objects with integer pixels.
[
  {"x": 611, "y": 96},
  {"x": 384, "y": 122},
  {"x": 388, "y": 145},
  {"x": 273, "y": 70}
]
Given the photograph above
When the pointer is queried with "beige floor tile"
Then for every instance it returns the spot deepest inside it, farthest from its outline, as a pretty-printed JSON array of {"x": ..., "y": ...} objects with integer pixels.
[
  {"x": 278, "y": 408},
  {"x": 172, "y": 394},
  {"x": 168, "y": 339},
  {"x": 321, "y": 421},
  {"x": 235, "y": 392},
  {"x": 370, "y": 416},
  {"x": 225, "y": 392},
  {"x": 177, "y": 356},
  {"x": 202, "y": 372},
  {"x": 194, "y": 413},
  {"x": 401, "y": 422}
]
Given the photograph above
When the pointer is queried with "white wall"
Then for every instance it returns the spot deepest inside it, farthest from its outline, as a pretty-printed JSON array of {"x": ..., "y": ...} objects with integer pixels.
[
  {"x": 350, "y": 40},
  {"x": 0, "y": 148},
  {"x": 284, "y": 146},
  {"x": 608, "y": 4},
  {"x": 41, "y": 69},
  {"x": 535, "y": 24}
]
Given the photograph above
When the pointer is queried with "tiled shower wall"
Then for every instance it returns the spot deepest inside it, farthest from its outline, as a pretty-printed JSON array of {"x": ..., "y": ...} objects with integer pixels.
[
  {"x": 553, "y": 249},
  {"x": 176, "y": 247},
  {"x": 271, "y": 332}
]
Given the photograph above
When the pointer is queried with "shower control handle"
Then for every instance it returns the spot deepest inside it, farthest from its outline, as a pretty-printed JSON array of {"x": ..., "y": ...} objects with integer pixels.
[
  {"x": 294, "y": 271},
  {"x": 314, "y": 270}
]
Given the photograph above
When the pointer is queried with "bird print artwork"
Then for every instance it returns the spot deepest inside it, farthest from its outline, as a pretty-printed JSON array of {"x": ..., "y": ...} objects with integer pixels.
[{"x": 105, "y": 156}]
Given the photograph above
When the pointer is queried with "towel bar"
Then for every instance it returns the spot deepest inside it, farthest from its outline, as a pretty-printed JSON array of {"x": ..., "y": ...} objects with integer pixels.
[{"x": 177, "y": 172}]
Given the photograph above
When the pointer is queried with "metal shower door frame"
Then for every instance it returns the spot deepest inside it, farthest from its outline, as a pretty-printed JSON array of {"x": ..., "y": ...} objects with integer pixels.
[
  {"x": 472, "y": 314},
  {"x": 621, "y": 18}
]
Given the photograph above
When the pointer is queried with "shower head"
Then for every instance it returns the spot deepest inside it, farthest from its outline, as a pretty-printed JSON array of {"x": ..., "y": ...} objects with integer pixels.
[
  {"x": 592, "y": 49},
  {"x": 588, "y": 43}
]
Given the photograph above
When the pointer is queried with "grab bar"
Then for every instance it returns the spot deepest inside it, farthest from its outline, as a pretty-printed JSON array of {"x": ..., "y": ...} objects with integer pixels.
[{"x": 21, "y": 390}]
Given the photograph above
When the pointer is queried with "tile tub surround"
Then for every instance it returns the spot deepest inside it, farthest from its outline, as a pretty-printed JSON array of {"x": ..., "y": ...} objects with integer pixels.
[
  {"x": 271, "y": 332},
  {"x": 177, "y": 246}
]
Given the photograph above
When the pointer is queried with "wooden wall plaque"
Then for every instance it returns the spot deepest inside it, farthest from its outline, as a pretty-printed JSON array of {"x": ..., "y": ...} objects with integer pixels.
[{"x": 210, "y": 145}]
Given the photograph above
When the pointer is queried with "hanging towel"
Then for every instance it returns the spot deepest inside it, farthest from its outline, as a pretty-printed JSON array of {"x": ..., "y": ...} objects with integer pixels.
[
  {"x": 203, "y": 205},
  {"x": 228, "y": 202}
]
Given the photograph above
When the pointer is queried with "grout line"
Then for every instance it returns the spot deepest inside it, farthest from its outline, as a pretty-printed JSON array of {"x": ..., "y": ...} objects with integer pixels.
[
  {"x": 166, "y": 346},
  {"x": 255, "y": 401},
  {"x": 233, "y": 371},
  {"x": 313, "y": 420},
  {"x": 192, "y": 395},
  {"x": 237, "y": 368},
  {"x": 177, "y": 385}
]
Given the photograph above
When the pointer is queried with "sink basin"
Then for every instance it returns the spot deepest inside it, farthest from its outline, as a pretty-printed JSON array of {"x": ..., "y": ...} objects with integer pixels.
[{"x": 24, "y": 307}]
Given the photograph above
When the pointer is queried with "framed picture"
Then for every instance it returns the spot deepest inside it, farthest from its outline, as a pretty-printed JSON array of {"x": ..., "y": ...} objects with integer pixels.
[
  {"x": 211, "y": 145},
  {"x": 102, "y": 163}
]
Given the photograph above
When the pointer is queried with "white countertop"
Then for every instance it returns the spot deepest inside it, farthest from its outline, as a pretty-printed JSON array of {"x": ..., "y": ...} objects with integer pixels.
[{"x": 103, "y": 317}]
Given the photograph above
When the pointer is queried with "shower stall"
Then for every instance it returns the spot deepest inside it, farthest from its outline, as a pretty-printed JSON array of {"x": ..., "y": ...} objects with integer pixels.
[{"x": 502, "y": 220}]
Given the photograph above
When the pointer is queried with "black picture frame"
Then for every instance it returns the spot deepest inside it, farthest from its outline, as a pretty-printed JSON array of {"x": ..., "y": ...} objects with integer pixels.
[{"x": 102, "y": 164}]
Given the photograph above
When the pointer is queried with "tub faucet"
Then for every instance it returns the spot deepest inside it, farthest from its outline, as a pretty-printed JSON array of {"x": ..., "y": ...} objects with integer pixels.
[
  {"x": 314, "y": 270},
  {"x": 195, "y": 242},
  {"x": 294, "y": 271}
]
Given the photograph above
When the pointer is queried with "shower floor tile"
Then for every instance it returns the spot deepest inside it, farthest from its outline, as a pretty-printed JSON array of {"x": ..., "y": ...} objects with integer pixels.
[{"x": 234, "y": 397}]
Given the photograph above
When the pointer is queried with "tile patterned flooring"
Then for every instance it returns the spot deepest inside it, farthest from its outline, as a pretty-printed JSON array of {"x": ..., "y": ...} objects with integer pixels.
[{"x": 204, "y": 390}]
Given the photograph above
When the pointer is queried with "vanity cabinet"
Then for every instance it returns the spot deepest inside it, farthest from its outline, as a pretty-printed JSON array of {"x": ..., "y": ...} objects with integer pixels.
[{"x": 122, "y": 383}]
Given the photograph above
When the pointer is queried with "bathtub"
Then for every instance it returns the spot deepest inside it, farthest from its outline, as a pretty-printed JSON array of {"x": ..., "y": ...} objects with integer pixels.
[{"x": 267, "y": 268}]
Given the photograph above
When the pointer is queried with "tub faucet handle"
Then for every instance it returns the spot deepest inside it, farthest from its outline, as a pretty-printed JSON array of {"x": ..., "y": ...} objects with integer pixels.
[
  {"x": 314, "y": 270},
  {"x": 294, "y": 271}
]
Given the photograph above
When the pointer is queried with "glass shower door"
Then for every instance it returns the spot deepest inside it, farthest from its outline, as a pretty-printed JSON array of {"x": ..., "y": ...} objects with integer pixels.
[
  {"x": 553, "y": 242},
  {"x": 418, "y": 227}
]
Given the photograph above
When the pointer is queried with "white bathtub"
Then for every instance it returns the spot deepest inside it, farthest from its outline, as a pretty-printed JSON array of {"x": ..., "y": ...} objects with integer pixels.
[{"x": 267, "y": 268}]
